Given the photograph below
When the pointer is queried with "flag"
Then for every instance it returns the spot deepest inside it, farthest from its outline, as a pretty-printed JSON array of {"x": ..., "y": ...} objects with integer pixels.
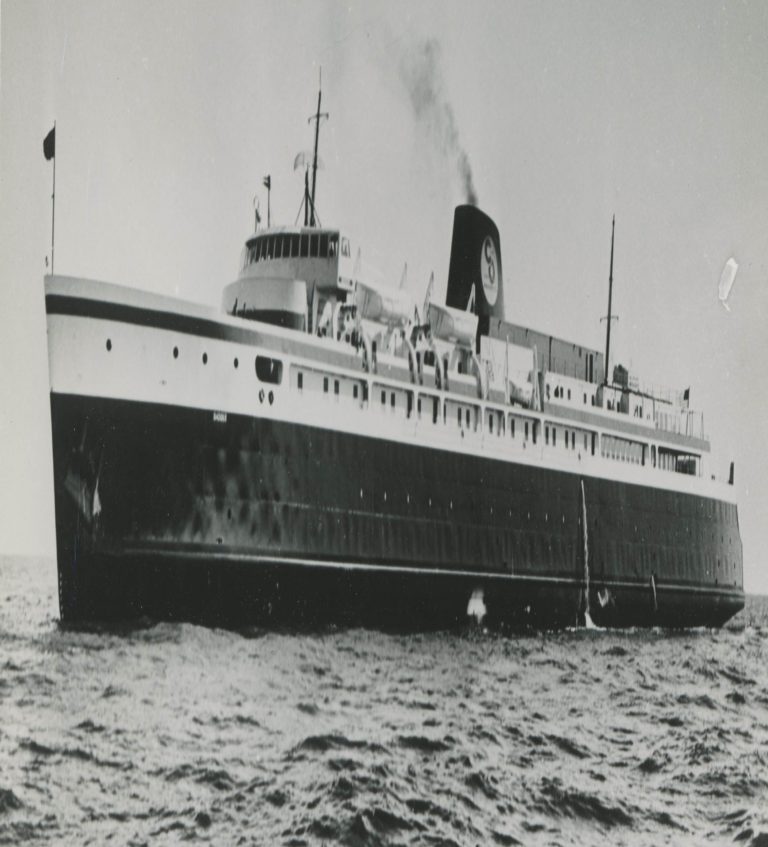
[
  {"x": 267, "y": 182},
  {"x": 49, "y": 144}
]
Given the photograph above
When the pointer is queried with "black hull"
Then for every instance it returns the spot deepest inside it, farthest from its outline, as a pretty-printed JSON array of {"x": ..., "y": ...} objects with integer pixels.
[{"x": 173, "y": 514}]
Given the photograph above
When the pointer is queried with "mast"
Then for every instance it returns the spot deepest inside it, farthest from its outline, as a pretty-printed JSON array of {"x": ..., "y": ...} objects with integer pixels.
[
  {"x": 316, "y": 118},
  {"x": 610, "y": 298}
]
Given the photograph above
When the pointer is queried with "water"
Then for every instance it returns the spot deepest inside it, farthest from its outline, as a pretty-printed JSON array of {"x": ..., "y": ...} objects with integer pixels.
[{"x": 171, "y": 733}]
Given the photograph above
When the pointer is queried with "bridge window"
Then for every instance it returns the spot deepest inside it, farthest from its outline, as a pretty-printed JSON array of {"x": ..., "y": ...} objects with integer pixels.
[
  {"x": 323, "y": 245},
  {"x": 269, "y": 370},
  {"x": 345, "y": 246},
  {"x": 333, "y": 245},
  {"x": 313, "y": 246},
  {"x": 304, "y": 247}
]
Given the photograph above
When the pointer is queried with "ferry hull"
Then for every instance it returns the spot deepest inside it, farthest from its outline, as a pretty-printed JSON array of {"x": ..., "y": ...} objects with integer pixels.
[{"x": 175, "y": 513}]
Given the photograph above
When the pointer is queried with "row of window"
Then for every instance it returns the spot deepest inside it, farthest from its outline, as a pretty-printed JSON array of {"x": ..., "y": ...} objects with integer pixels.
[
  {"x": 322, "y": 245},
  {"x": 467, "y": 417},
  {"x": 267, "y": 369}
]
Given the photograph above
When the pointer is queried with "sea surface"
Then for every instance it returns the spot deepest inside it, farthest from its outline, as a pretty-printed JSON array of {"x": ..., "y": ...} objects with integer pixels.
[{"x": 173, "y": 733}]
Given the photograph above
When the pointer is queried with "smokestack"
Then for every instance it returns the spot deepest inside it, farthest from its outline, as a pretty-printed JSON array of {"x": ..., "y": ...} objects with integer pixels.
[{"x": 476, "y": 260}]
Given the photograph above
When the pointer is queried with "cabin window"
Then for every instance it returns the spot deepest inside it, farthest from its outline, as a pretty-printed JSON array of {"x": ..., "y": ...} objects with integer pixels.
[
  {"x": 435, "y": 409},
  {"x": 304, "y": 246},
  {"x": 554, "y": 436},
  {"x": 569, "y": 393},
  {"x": 458, "y": 417},
  {"x": 336, "y": 386},
  {"x": 490, "y": 423},
  {"x": 418, "y": 406},
  {"x": 585, "y": 399},
  {"x": 467, "y": 418},
  {"x": 325, "y": 384},
  {"x": 354, "y": 391},
  {"x": 526, "y": 430},
  {"x": 344, "y": 246},
  {"x": 269, "y": 370},
  {"x": 409, "y": 404},
  {"x": 573, "y": 441},
  {"x": 533, "y": 431},
  {"x": 300, "y": 381},
  {"x": 585, "y": 441},
  {"x": 323, "y": 245},
  {"x": 546, "y": 435},
  {"x": 392, "y": 399},
  {"x": 365, "y": 392},
  {"x": 383, "y": 398}
]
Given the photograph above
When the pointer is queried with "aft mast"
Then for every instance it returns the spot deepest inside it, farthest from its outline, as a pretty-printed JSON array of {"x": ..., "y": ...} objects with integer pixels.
[{"x": 610, "y": 298}]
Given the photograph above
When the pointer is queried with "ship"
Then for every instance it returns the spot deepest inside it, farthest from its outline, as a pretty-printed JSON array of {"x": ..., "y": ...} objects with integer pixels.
[{"x": 325, "y": 449}]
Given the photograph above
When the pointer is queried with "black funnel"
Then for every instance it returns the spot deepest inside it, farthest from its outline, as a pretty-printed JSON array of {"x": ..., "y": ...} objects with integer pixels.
[{"x": 476, "y": 260}]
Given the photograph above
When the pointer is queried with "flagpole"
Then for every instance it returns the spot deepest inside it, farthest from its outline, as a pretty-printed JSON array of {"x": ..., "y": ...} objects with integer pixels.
[{"x": 53, "y": 204}]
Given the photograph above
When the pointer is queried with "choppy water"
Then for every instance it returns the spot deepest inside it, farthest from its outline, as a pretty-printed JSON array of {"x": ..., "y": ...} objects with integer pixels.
[{"x": 173, "y": 733}]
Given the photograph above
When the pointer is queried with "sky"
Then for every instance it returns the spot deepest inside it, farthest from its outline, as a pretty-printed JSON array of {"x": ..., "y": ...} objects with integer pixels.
[{"x": 557, "y": 115}]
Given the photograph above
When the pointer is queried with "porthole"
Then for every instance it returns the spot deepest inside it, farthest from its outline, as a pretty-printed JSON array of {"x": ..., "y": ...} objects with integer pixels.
[
  {"x": 271, "y": 398},
  {"x": 236, "y": 363},
  {"x": 175, "y": 352},
  {"x": 205, "y": 358},
  {"x": 109, "y": 344},
  {"x": 261, "y": 396}
]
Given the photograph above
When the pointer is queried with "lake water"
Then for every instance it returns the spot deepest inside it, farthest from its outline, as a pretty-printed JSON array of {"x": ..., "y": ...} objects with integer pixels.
[{"x": 171, "y": 733}]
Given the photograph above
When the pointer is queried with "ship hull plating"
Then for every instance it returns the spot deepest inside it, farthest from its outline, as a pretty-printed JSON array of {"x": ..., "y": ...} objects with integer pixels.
[{"x": 179, "y": 513}]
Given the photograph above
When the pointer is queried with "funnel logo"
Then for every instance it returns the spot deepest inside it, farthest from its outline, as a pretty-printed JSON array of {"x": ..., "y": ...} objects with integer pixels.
[{"x": 489, "y": 270}]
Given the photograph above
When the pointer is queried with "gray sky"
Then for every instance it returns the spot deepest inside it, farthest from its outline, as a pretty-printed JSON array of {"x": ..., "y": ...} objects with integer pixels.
[{"x": 169, "y": 114}]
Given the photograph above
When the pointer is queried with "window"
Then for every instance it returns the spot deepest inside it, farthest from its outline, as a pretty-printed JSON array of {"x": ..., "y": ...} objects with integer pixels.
[
  {"x": 526, "y": 430},
  {"x": 294, "y": 246},
  {"x": 325, "y": 384},
  {"x": 490, "y": 423},
  {"x": 467, "y": 418},
  {"x": 304, "y": 250},
  {"x": 269, "y": 370},
  {"x": 392, "y": 399},
  {"x": 354, "y": 391},
  {"x": 512, "y": 427},
  {"x": 554, "y": 436},
  {"x": 383, "y": 398},
  {"x": 300, "y": 381},
  {"x": 313, "y": 246},
  {"x": 324, "y": 245},
  {"x": 418, "y": 406},
  {"x": 409, "y": 404},
  {"x": 458, "y": 417},
  {"x": 345, "y": 246},
  {"x": 569, "y": 393},
  {"x": 546, "y": 435},
  {"x": 336, "y": 386},
  {"x": 333, "y": 245},
  {"x": 435, "y": 409},
  {"x": 573, "y": 441}
]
